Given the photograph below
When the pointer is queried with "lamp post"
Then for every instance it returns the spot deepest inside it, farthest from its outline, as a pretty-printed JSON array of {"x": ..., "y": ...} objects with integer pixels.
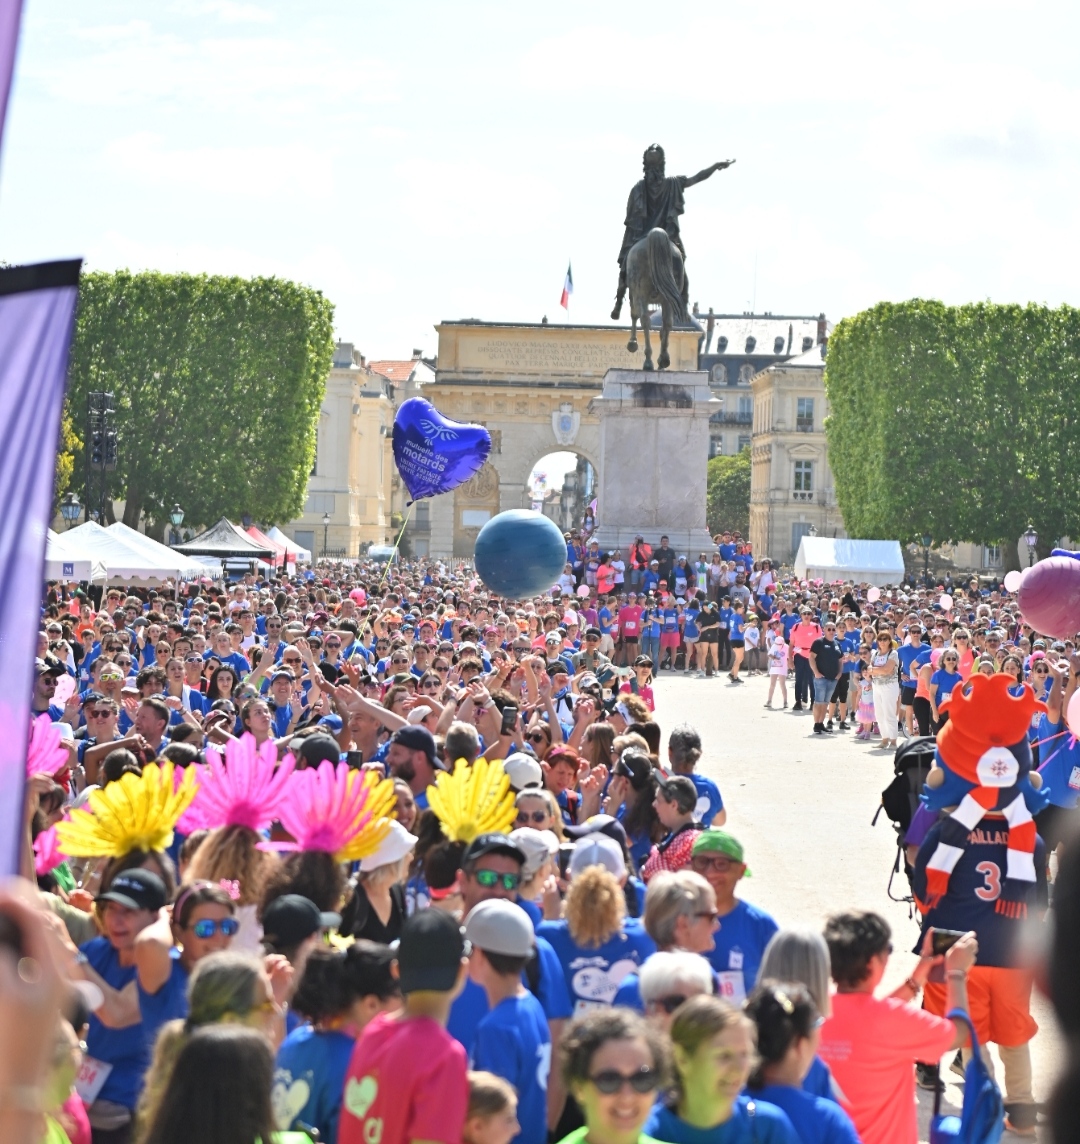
[
  {"x": 927, "y": 540},
  {"x": 70, "y": 508},
  {"x": 1031, "y": 538},
  {"x": 176, "y": 518},
  {"x": 325, "y": 533}
]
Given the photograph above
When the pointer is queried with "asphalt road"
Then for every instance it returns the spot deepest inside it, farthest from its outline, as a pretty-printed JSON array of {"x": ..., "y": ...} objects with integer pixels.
[{"x": 802, "y": 805}]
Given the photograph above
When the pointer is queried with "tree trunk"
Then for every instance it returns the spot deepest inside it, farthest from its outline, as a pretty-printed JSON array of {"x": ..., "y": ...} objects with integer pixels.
[{"x": 133, "y": 509}]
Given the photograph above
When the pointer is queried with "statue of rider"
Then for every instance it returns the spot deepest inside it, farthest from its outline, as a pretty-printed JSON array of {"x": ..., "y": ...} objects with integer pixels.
[{"x": 657, "y": 200}]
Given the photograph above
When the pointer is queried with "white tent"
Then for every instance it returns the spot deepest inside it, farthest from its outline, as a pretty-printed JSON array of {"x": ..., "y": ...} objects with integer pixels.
[
  {"x": 294, "y": 550},
  {"x": 187, "y": 567},
  {"x": 66, "y": 560},
  {"x": 829, "y": 558},
  {"x": 124, "y": 563}
]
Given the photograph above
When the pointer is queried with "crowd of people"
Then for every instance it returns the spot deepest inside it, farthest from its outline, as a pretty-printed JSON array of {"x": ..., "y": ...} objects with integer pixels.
[{"x": 365, "y": 854}]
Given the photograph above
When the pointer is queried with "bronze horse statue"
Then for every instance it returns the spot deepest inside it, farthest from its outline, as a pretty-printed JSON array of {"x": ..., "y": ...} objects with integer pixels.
[{"x": 655, "y": 275}]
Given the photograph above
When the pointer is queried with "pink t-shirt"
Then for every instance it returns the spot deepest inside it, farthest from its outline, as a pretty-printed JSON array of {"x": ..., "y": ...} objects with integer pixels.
[
  {"x": 630, "y": 621},
  {"x": 871, "y": 1045},
  {"x": 406, "y": 1081}
]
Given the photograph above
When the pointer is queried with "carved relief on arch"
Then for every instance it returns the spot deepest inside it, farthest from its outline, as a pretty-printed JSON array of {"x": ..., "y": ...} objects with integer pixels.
[{"x": 481, "y": 486}]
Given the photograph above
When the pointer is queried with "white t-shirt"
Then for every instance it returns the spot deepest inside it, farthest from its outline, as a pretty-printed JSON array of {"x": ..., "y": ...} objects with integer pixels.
[{"x": 620, "y": 570}]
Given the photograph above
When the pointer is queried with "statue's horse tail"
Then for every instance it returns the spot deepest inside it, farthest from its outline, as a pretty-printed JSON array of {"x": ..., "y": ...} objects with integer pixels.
[{"x": 658, "y": 248}]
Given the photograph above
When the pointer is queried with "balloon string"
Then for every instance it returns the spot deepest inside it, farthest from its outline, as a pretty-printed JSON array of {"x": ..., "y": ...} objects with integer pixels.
[{"x": 386, "y": 571}]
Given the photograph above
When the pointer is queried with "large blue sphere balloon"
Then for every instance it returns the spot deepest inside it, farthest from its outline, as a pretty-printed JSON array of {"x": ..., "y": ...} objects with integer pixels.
[{"x": 520, "y": 553}]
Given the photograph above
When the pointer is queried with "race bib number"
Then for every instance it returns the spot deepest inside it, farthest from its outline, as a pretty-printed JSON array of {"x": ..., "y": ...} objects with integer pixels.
[
  {"x": 91, "y": 1078},
  {"x": 1074, "y": 779},
  {"x": 630, "y": 627},
  {"x": 732, "y": 986}
]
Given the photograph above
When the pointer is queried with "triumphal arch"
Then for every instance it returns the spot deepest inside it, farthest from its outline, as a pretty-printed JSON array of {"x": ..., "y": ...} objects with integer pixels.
[{"x": 532, "y": 387}]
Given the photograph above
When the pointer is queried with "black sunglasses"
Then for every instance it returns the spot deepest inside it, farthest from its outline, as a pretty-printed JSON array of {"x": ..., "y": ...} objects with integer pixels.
[{"x": 610, "y": 1081}]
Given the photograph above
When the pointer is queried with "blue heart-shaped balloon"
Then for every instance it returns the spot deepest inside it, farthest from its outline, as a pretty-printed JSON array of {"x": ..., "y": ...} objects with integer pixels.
[{"x": 434, "y": 454}]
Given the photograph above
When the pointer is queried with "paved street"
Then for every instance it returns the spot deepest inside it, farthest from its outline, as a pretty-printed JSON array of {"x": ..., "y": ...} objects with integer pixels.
[{"x": 802, "y": 805}]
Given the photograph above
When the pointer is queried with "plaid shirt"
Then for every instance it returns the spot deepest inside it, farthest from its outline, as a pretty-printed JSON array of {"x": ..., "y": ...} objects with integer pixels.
[{"x": 673, "y": 853}]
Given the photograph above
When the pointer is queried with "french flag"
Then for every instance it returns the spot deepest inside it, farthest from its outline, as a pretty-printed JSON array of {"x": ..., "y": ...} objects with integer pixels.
[{"x": 567, "y": 289}]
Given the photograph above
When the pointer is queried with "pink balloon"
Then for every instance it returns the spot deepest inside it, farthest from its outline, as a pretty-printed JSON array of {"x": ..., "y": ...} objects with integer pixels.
[
  {"x": 1012, "y": 581},
  {"x": 583, "y": 590},
  {"x": 873, "y": 595},
  {"x": 1072, "y": 714},
  {"x": 1049, "y": 596},
  {"x": 945, "y": 600},
  {"x": 65, "y": 688}
]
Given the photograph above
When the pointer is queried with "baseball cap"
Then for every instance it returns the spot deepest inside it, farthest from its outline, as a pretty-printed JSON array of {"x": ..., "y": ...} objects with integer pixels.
[
  {"x": 136, "y": 890},
  {"x": 537, "y": 845},
  {"x": 502, "y": 927},
  {"x": 332, "y": 723},
  {"x": 292, "y": 918},
  {"x": 523, "y": 770},
  {"x": 416, "y": 738},
  {"x": 492, "y": 843},
  {"x": 429, "y": 952},
  {"x": 713, "y": 840},
  {"x": 43, "y": 667},
  {"x": 597, "y": 850},
  {"x": 598, "y": 824},
  {"x": 318, "y": 748}
]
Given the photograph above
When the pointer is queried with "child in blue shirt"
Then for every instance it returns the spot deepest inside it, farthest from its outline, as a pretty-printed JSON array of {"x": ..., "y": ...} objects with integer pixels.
[{"x": 512, "y": 1039}]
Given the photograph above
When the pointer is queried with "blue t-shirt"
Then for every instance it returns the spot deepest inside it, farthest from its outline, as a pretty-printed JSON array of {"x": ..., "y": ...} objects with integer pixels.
[
  {"x": 740, "y": 944},
  {"x": 651, "y": 623},
  {"x": 650, "y": 580},
  {"x": 727, "y": 552},
  {"x": 911, "y": 659},
  {"x": 788, "y": 620},
  {"x": 639, "y": 844},
  {"x": 815, "y": 1119},
  {"x": 471, "y": 1006},
  {"x": 536, "y": 915},
  {"x": 234, "y": 660},
  {"x": 818, "y": 1081},
  {"x": 709, "y": 803},
  {"x": 1061, "y": 771},
  {"x": 725, "y": 618},
  {"x": 670, "y": 622},
  {"x": 768, "y": 1125},
  {"x": 169, "y": 1003},
  {"x": 594, "y": 975},
  {"x": 309, "y": 1078},
  {"x": 628, "y": 995},
  {"x": 737, "y": 625},
  {"x": 513, "y": 1042},
  {"x": 127, "y": 1049},
  {"x": 851, "y": 642},
  {"x": 945, "y": 681},
  {"x": 690, "y": 628},
  {"x": 603, "y": 619}
]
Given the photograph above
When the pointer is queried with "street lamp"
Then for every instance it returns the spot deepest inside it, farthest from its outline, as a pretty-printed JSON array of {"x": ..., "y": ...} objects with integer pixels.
[
  {"x": 927, "y": 540},
  {"x": 325, "y": 533},
  {"x": 176, "y": 518},
  {"x": 1031, "y": 538},
  {"x": 70, "y": 509}
]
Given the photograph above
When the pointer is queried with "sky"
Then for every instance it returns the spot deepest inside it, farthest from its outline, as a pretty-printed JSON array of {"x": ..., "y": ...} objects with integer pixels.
[{"x": 428, "y": 161}]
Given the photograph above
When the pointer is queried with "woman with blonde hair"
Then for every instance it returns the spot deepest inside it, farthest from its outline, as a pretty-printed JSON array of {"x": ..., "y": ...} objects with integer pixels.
[
  {"x": 225, "y": 988},
  {"x": 537, "y": 808},
  {"x": 713, "y": 1047},
  {"x": 594, "y": 925},
  {"x": 230, "y": 856}
]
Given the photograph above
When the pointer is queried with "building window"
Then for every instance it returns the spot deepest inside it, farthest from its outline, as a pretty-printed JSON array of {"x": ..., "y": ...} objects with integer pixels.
[
  {"x": 716, "y": 446},
  {"x": 991, "y": 556},
  {"x": 719, "y": 374},
  {"x": 746, "y": 372},
  {"x": 744, "y": 442},
  {"x": 798, "y": 530},
  {"x": 746, "y": 408},
  {"x": 804, "y": 415},
  {"x": 804, "y": 480}
]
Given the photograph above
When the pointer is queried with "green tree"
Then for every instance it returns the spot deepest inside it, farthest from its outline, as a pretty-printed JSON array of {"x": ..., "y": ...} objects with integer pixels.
[
  {"x": 727, "y": 499},
  {"x": 957, "y": 422},
  {"x": 218, "y": 384},
  {"x": 66, "y": 448}
]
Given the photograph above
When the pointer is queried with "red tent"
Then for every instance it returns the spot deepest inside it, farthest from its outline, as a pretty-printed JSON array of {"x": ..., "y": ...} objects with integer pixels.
[{"x": 278, "y": 550}]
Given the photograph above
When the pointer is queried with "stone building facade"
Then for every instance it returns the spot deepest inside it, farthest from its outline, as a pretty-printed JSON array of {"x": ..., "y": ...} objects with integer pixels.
[{"x": 791, "y": 484}]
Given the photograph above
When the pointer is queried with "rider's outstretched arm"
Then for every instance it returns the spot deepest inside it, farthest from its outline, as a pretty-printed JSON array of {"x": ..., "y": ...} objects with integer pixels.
[{"x": 701, "y": 176}]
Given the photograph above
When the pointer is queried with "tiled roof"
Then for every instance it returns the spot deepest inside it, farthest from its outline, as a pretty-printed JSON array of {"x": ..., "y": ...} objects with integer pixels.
[{"x": 398, "y": 371}]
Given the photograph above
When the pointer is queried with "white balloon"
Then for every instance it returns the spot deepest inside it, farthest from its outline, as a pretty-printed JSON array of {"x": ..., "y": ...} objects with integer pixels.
[
  {"x": 873, "y": 595},
  {"x": 1012, "y": 580},
  {"x": 945, "y": 600}
]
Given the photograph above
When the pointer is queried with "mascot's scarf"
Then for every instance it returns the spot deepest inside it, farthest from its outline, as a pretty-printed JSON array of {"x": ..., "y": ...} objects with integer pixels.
[{"x": 984, "y": 745}]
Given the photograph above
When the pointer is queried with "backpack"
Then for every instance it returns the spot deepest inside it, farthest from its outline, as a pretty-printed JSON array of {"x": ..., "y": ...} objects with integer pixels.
[{"x": 982, "y": 1117}]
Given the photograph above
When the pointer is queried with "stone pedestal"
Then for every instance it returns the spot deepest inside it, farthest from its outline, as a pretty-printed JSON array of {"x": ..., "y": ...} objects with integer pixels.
[{"x": 654, "y": 452}]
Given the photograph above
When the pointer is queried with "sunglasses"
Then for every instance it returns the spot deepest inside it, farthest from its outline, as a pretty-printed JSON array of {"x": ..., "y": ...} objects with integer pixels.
[
  {"x": 333, "y": 643},
  {"x": 207, "y": 927},
  {"x": 491, "y": 878},
  {"x": 611, "y": 1081},
  {"x": 702, "y": 862},
  {"x": 536, "y": 737},
  {"x": 291, "y": 659},
  {"x": 98, "y": 714},
  {"x": 533, "y": 816},
  {"x": 669, "y": 1005}
]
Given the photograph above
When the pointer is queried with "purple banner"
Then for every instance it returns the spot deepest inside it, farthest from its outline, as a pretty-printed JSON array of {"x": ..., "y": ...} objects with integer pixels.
[
  {"x": 37, "y": 316},
  {"x": 10, "y": 12}
]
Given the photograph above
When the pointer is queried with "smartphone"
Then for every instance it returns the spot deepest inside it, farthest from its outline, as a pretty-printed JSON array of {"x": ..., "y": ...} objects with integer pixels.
[
  {"x": 354, "y": 759},
  {"x": 509, "y": 719},
  {"x": 566, "y": 849},
  {"x": 943, "y": 940}
]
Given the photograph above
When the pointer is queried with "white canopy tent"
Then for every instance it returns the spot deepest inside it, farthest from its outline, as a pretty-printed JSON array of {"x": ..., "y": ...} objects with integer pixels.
[
  {"x": 66, "y": 560},
  {"x": 187, "y": 567},
  {"x": 294, "y": 550},
  {"x": 829, "y": 558},
  {"x": 123, "y": 562}
]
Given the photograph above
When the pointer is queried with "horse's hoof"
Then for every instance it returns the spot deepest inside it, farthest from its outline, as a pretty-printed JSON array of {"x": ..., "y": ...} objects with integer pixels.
[
  {"x": 631, "y": 345},
  {"x": 647, "y": 364},
  {"x": 663, "y": 361}
]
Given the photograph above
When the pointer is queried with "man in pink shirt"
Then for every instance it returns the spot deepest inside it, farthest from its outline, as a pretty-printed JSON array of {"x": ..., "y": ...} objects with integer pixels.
[
  {"x": 803, "y": 635},
  {"x": 629, "y": 629},
  {"x": 871, "y": 1044}
]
